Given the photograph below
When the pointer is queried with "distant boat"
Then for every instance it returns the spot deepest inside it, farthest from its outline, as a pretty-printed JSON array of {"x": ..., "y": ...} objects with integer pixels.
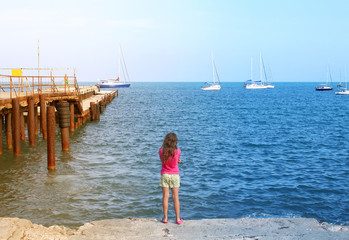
[
  {"x": 116, "y": 83},
  {"x": 326, "y": 86},
  {"x": 345, "y": 90},
  {"x": 215, "y": 84},
  {"x": 113, "y": 83},
  {"x": 250, "y": 84}
]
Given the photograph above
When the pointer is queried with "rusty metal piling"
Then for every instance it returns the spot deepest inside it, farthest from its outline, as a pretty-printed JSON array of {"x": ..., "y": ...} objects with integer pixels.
[
  {"x": 1, "y": 119},
  {"x": 51, "y": 132},
  {"x": 31, "y": 121},
  {"x": 8, "y": 118},
  {"x": 22, "y": 119},
  {"x": 71, "y": 108},
  {"x": 65, "y": 139},
  {"x": 64, "y": 123},
  {"x": 16, "y": 127},
  {"x": 43, "y": 117},
  {"x": 96, "y": 111},
  {"x": 36, "y": 121},
  {"x": 92, "y": 111}
]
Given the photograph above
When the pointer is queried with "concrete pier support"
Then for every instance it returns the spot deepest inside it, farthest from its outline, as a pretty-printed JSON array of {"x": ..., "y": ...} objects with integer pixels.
[
  {"x": 16, "y": 127},
  {"x": 51, "y": 132},
  {"x": 43, "y": 117},
  {"x": 31, "y": 121},
  {"x": 8, "y": 120}
]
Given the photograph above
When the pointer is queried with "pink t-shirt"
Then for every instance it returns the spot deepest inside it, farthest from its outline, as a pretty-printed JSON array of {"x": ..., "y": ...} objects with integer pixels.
[{"x": 171, "y": 166}]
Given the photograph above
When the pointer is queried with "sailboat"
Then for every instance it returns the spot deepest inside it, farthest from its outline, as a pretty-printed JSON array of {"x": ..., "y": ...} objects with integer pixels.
[
  {"x": 250, "y": 84},
  {"x": 215, "y": 84},
  {"x": 345, "y": 90},
  {"x": 326, "y": 86},
  {"x": 116, "y": 83}
]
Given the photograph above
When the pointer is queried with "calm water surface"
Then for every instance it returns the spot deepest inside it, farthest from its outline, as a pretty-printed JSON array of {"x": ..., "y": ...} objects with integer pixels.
[{"x": 280, "y": 152}]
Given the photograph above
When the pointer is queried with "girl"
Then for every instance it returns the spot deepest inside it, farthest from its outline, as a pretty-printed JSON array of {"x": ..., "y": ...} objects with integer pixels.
[{"x": 170, "y": 157}]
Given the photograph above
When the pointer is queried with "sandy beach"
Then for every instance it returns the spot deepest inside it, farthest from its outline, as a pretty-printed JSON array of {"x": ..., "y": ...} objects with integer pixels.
[{"x": 237, "y": 229}]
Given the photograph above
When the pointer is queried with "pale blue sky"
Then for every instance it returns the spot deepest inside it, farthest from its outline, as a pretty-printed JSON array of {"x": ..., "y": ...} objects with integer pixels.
[{"x": 172, "y": 40}]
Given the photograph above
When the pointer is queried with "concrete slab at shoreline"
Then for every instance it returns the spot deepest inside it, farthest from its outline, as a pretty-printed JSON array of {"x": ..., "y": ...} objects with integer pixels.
[{"x": 237, "y": 229}]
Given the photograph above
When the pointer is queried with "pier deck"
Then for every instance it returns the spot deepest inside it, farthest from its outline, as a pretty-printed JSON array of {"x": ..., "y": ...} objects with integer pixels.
[{"x": 27, "y": 98}]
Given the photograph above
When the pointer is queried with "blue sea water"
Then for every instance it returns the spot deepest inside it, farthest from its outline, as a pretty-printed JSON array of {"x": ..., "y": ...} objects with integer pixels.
[{"x": 280, "y": 152}]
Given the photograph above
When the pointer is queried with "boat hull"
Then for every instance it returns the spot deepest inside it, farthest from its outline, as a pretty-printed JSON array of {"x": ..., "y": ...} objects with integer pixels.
[
  {"x": 342, "y": 93},
  {"x": 212, "y": 88},
  {"x": 256, "y": 86},
  {"x": 120, "y": 85},
  {"x": 323, "y": 88}
]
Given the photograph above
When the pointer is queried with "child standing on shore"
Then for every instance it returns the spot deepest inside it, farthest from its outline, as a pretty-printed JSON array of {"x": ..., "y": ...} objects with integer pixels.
[{"x": 170, "y": 157}]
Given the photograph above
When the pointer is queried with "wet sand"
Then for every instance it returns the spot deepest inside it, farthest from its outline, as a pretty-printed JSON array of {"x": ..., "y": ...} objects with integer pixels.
[{"x": 242, "y": 229}]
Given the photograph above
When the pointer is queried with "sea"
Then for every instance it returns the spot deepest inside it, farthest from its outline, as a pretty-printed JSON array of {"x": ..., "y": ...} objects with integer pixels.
[{"x": 269, "y": 153}]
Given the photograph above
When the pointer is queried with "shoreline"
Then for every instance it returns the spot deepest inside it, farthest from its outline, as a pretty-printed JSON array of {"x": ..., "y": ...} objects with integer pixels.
[{"x": 237, "y": 229}]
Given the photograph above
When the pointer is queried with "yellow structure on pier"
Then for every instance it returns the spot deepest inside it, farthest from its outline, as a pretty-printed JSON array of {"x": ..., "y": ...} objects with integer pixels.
[{"x": 16, "y": 72}]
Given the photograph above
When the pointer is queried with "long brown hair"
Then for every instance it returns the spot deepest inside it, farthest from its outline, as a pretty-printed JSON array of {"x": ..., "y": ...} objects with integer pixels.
[{"x": 168, "y": 146}]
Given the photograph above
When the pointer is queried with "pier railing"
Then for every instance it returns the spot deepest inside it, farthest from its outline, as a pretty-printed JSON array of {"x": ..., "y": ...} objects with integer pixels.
[{"x": 30, "y": 81}]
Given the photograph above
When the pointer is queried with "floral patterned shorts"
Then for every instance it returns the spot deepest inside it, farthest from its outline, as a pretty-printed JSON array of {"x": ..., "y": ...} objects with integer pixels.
[{"x": 170, "y": 180}]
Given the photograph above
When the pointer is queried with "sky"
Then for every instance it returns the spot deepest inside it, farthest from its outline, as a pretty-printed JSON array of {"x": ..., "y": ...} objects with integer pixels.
[{"x": 172, "y": 40}]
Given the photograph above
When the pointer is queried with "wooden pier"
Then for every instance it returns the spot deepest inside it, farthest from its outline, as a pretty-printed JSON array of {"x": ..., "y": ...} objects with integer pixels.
[{"x": 44, "y": 97}]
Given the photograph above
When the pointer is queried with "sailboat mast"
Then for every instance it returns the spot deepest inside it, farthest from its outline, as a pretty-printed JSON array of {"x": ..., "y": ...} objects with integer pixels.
[
  {"x": 251, "y": 70},
  {"x": 119, "y": 61},
  {"x": 213, "y": 73},
  {"x": 327, "y": 75},
  {"x": 260, "y": 67},
  {"x": 345, "y": 73},
  {"x": 265, "y": 72}
]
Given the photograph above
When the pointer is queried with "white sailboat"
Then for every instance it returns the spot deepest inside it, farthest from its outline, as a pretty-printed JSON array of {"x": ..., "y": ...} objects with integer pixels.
[
  {"x": 345, "y": 90},
  {"x": 215, "y": 85},
  {"x": 250, "y": 84},
  {"x": 116, "y": 83},
  {"x": 326, "y": 86}
]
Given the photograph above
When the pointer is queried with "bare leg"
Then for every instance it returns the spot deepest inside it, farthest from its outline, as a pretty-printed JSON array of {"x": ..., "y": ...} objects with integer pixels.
[
  {"x": 176, "y": 202},
  {"x": 165, "y": 197}
]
